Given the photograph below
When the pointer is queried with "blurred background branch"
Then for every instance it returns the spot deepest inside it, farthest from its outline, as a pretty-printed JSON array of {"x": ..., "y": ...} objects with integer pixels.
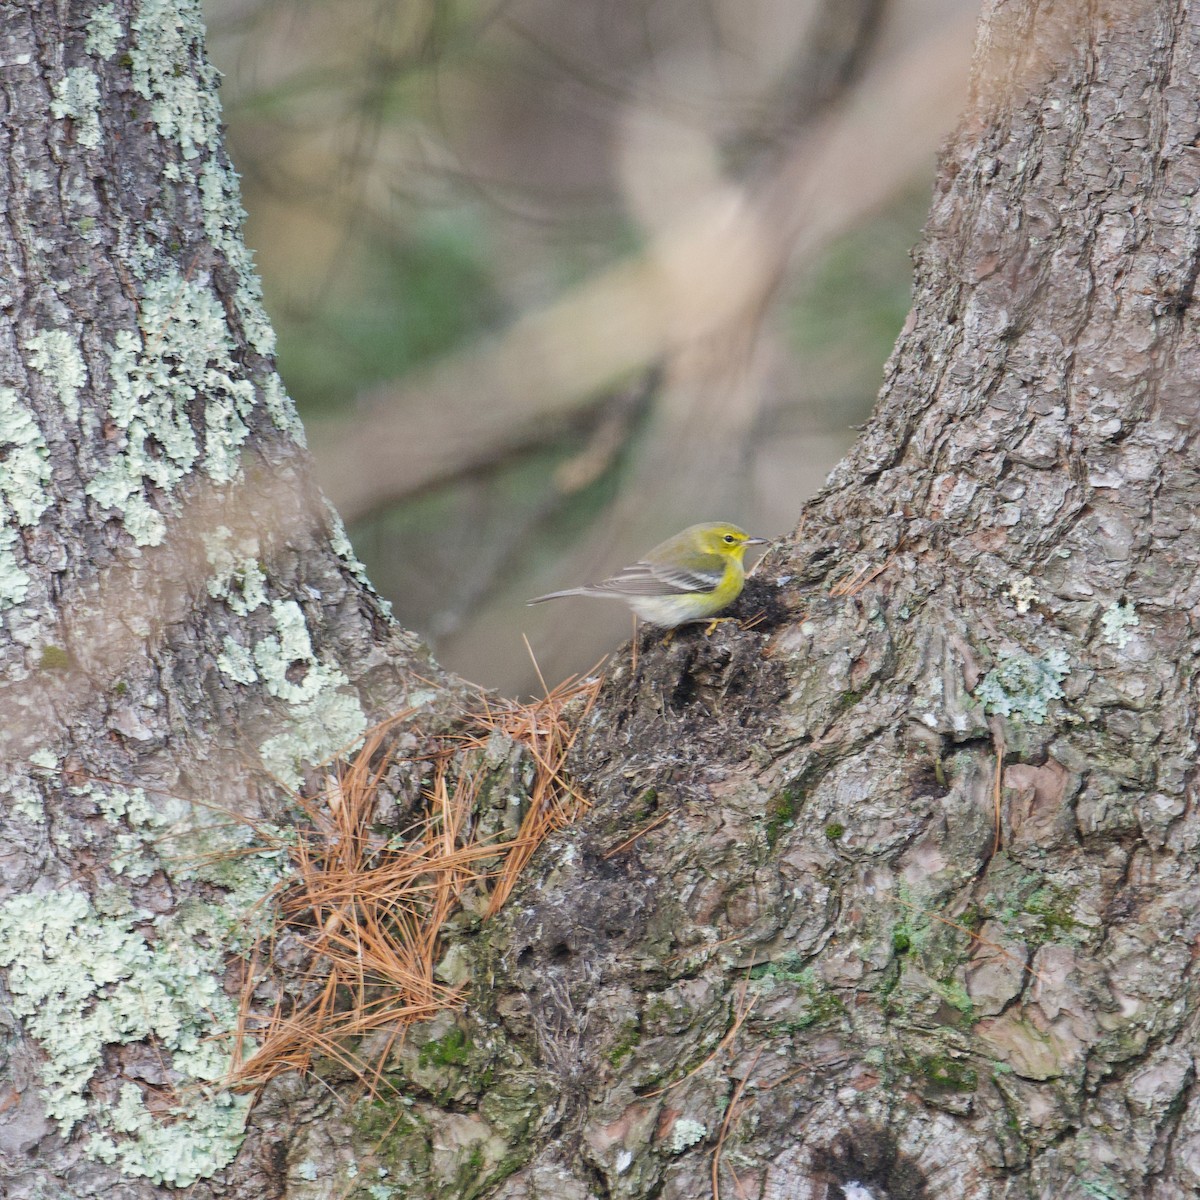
[{"x": 553, "y": 280}]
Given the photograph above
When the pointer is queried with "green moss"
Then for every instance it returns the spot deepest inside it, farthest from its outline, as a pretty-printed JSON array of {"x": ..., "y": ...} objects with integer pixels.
[
  {"x": 627, "y": 1039},
  {"x": 647, "y": 801},
  {"x": 1035, "y": 910},
  {"x": 789, "y": 968},
  {"x": 971, "y": 918},
  {"x": 1052, "y": 907},
  {"x": 469, "y": 1180},
  {"x": 122, "y": 688},
  {"x": 454, "y": 1050},
  {"x": 383, "y": 1122},
  {"x": 822, "y": 1006},
  {"x": 946, "y": 1074},
  {"x": 846, "y": 701},
  {"x": 901, "y": 939},
  {"x": 394, "y": 1133},
  {"x": 54, "y": 658},
  {"x": 1103, "y": 1189},
  {"x": 834, "y": 831},
  {"x": 781, "y": 813},
  {"x": 889, "y": 983},
  {"x": 956, "y": 996},
  {"x": 814, "y": 1003}
]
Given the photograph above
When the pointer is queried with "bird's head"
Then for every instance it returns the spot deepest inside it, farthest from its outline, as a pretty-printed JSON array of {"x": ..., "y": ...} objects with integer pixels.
[{"x": 728, "y": 541}]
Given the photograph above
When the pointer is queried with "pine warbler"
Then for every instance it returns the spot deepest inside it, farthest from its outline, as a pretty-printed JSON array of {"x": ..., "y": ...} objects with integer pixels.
[{"x": 690, "y": 577}]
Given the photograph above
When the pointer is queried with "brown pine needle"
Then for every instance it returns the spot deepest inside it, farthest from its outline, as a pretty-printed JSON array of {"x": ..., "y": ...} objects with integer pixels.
[
  {"x": 367, "y": 913},
  {"x": 741, "y": 1015},
  {"x": 536, "y": 668},
  {"x": 998, "y": 779},
  {"x": 641, "y": 833},
  {"x": 725, "y": 1126},
  {"x": 553, "y": 802},
  {"x": 851, "y": 585}
]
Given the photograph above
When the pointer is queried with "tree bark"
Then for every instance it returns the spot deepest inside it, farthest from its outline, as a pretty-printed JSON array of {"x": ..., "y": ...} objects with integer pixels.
[
  {"x": 182, "y": 623},
  {"x": 895, "y": 887},
  {"x": 828, "y": 963}
]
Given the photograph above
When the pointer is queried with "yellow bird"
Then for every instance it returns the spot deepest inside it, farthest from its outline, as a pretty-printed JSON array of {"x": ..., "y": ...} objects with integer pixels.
[{"x": 690, "y": 577}]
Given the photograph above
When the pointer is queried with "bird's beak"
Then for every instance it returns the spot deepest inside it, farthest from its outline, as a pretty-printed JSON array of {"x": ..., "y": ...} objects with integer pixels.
[{"x": 757, "y": 541}]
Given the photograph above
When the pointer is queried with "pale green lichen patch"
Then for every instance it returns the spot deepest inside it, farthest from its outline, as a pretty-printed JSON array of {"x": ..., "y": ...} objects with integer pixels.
[
  {"x": 24, "y": 796},
  {"x": 14, "y": 579},
  {"x": 236, "y": 662},
  {"x": 184, "y": 354},
  {"x": 332, "y": 722},
  {"x": 83, "y": 982},
  {"x": 134, "y": 857},
  {"x": 684, "y": 1133},
  {"x": 1117, "y": 623},
  {"x": 1022, "y": 686},
  {"x": 237, "y": 577},
  {"x": 223, "y": 218},
  {"x": 26, "y": 474},
  {"x": 90, "y": 975},
  {"x": 54, "y": 354},
  {"x": 77, "y": 95},
  {"x": 20, "y": 784},
  {"x": 169, "y": 71},
  {"x": 206, "y": 1140},
  {"x": 281, "y": 409},
  {"x": 103, "y": 30},
  {"x": 286, "y": 662},
  {"x": 339, "y": 542},
  {"x": 324, "y": 713},
  {"x": 24, "y": 481}
]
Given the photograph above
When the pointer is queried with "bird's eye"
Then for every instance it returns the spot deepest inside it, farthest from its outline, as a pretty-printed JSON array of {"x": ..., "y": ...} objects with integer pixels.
[{"x": 729, "y": 539}]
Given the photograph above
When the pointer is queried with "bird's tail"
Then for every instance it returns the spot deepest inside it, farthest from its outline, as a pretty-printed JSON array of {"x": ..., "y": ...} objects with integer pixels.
[{"x": 558, "y": 595}]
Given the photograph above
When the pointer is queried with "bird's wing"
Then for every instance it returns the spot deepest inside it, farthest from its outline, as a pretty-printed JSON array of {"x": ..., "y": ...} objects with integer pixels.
[{"x": 660, "y": 579}]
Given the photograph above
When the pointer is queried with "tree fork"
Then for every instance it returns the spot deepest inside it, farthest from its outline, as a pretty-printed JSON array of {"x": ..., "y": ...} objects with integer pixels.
[{"x": 816, "y": 963}]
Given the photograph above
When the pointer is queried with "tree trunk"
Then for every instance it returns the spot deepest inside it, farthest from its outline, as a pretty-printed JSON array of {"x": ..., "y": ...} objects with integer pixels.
[
  {"x": 178, "y": 608},
  {"x": 895, "y": 887},
  {"x": 921, "y": 910}
]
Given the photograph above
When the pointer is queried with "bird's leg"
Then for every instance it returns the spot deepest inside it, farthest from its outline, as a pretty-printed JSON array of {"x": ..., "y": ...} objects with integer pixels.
[{"x": 714, "y": 623}]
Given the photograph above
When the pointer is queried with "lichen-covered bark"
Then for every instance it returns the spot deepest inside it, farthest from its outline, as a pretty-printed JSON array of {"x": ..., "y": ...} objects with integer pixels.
[
  {"x": 786, "y": 949},
  {"x": 821, "y": 964},
  {"x": 182, "y": 623}
]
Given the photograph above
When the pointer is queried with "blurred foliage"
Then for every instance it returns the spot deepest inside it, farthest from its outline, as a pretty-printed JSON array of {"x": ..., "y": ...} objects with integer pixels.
[
  {"x": 419, "y": 176},
  {"x": 844, "y": 312},
  {"x": 395, "y": 307}
]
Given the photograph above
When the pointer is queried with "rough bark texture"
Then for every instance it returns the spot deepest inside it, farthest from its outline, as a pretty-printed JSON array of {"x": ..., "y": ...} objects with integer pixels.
[
  {"x": 819, "y": 966},
  {"x": 178, "y": 610},
  {"x": 822, "y": 947}
]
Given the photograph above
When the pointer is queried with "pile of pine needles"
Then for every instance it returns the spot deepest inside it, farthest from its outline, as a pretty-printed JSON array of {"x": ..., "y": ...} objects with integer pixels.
[{"x": 367, "y": 909}]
